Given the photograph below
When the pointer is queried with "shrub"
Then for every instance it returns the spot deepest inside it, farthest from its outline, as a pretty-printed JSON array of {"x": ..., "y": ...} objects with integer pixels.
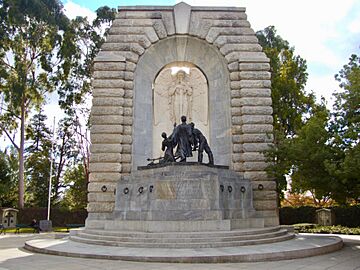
[
  {"x": 344, "y": 216},
  {"x": 294, "y": 215},
  {"x": 347, "y": 216},
  {"x": 326, "y": 229}
]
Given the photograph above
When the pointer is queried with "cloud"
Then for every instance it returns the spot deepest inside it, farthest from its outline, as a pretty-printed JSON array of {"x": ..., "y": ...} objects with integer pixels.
[
  {"x": 320, "y": 31},
  {"x": 72, "y": 10},
  {"x": 323, "y": 86},
  {"x": 354, "y": 26}
]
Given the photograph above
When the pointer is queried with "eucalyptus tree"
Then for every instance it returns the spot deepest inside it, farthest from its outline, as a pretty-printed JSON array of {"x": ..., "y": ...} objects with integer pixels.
[
  {"x": 32, "y": 61},
  {"x": 75, "y": 92}
]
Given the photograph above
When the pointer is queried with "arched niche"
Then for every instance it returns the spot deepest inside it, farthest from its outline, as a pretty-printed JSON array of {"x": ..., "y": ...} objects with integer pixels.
[
  {"x": 212, "y": 64},
  {"x": 179, "y": 89}
]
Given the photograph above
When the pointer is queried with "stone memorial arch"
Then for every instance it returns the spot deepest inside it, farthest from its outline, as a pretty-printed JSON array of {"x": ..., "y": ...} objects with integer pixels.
[
  {"x": 157, "y": 63},
  {"x": 225, "y": 84}
]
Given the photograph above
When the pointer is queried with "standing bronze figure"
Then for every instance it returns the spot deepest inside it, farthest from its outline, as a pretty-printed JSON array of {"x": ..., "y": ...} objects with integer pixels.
[
  {"x": 201, "y": 143},
  {"x": 182, "y": 137}
]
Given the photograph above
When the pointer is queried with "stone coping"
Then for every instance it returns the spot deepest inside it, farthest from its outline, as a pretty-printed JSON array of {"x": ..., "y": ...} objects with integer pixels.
[
  {"x": 148, "y": 167},
  {"x": 170, "y": 8}
]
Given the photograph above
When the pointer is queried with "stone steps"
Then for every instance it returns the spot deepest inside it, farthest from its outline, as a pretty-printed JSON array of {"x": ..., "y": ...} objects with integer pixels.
[
  {"x": 206, "y": 234},
  {"x": 160, "y": 226},
  {"x": 180, "y": 240},
  {"x": 299, "y": 247}
]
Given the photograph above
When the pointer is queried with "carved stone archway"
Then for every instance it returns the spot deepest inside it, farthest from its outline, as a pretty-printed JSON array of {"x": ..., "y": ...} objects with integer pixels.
[
  {"x": 211, "y": 62},
  {"x": 142, "y": 40},
  {"x": 179, "y": 89}
]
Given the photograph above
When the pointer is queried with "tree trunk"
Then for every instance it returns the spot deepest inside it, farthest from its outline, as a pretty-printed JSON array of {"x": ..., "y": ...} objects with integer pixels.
[{"x": 21, "y": 156}]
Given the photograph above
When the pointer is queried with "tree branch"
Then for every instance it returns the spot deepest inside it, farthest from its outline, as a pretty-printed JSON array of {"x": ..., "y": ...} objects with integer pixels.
[
  {"x": 11, "y": 113},
  {"x": 11, "y": 139}
]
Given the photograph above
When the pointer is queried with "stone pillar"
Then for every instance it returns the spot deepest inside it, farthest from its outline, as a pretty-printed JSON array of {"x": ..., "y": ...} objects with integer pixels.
[{"x": 108, "y": 133}]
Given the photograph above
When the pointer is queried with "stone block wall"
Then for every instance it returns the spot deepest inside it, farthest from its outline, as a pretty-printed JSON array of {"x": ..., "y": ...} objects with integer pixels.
[{"x": 134, "y": 31}]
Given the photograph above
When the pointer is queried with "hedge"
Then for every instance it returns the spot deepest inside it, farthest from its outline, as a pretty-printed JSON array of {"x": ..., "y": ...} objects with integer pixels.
[
  {"x": 59, "y": 217},
  {"x": 295, "y": 215},
  {"x": 345, "y": 216}
]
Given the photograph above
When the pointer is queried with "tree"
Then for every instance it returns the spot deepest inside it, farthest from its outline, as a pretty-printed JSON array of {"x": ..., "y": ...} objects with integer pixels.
[
  {"x": 346, "y": 113},
  {"x": 290, "y": 102},
  {"x": 288, "y": 79},
  {"x": 75, "y": 196},
  {"x": 310, "y": 153},
  {"x": 76, "y": 90},
  {"x": 66, "y": 153},
  {"x": 31, "y": 64},
  {"x": 38, "y": 161},
  {"x": 323, "y": 157},
  {"x": 8, "y": 182},
  {"x": 86, "y": 39},
  {"x": 345, "y": 126}
]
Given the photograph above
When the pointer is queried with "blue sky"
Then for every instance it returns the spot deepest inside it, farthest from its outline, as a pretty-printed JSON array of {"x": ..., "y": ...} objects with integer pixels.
[{"x": 323, "y": 32}]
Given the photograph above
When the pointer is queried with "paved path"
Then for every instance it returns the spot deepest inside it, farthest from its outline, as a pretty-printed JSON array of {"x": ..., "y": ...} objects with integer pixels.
[{"x": 13, "y": 257}]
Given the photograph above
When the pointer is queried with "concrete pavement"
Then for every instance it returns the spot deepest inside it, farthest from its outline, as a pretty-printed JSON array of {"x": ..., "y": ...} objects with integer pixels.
[{"x": 13, "y": 257}]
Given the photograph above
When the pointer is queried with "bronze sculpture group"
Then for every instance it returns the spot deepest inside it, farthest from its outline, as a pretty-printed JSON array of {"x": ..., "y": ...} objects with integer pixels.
[{"x": 186, "y": 138}]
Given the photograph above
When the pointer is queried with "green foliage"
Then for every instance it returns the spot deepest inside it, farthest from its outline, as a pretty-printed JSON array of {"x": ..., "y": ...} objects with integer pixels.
[
  {"x": 345, "y": 127},
  {"x": 344, "y": 216},
  {"x": 294, "y": 215},
  {"x": 347, "y": 104},
  {"x": 17, "y": 11},
  {"x": 317, "y": 149},
  {"x": 85, "y": 40},
  {"x": 66, "y": 153},
  {"x": 8, "y": 183},
  {"x": 104, "y": 15},
  {"x": 38, "y": 161},
  {"x": 290, "y": 102},
  {"x": 76, "y": 196},
  {"x": 309, "y": 153},
  {"x": 288, "y": 79},
  {"x": 326, "y": 229},
  {"x": 41, "y": 51},
  {"x": 31, "y": 64},
  {"x": 347, "y": 216}
]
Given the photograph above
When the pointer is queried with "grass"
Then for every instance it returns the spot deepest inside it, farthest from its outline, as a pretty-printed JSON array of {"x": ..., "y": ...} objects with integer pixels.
[{"x": 29, "y": 230}]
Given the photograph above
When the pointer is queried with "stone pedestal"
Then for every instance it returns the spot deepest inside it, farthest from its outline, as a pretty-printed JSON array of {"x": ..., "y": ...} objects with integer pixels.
[
  {"x": 45, "y": 225},
  {"x": 325, "y": 217},
  {"x": 183, "y": 191}
]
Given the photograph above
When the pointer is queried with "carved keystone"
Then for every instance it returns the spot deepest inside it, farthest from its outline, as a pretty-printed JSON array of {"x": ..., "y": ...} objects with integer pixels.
[{"x": 182, "y": 13}]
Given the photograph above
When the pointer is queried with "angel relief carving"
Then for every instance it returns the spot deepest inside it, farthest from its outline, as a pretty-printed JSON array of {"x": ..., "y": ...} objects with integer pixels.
[
  {"x": 183, "y": 94},
  {"x": 180, "y": 97},
  {"x": 176, "y": 95}
]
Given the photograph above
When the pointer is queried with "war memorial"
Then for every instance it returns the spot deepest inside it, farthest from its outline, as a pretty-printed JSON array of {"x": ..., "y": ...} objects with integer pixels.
[{"x": 181, "y": 116}]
